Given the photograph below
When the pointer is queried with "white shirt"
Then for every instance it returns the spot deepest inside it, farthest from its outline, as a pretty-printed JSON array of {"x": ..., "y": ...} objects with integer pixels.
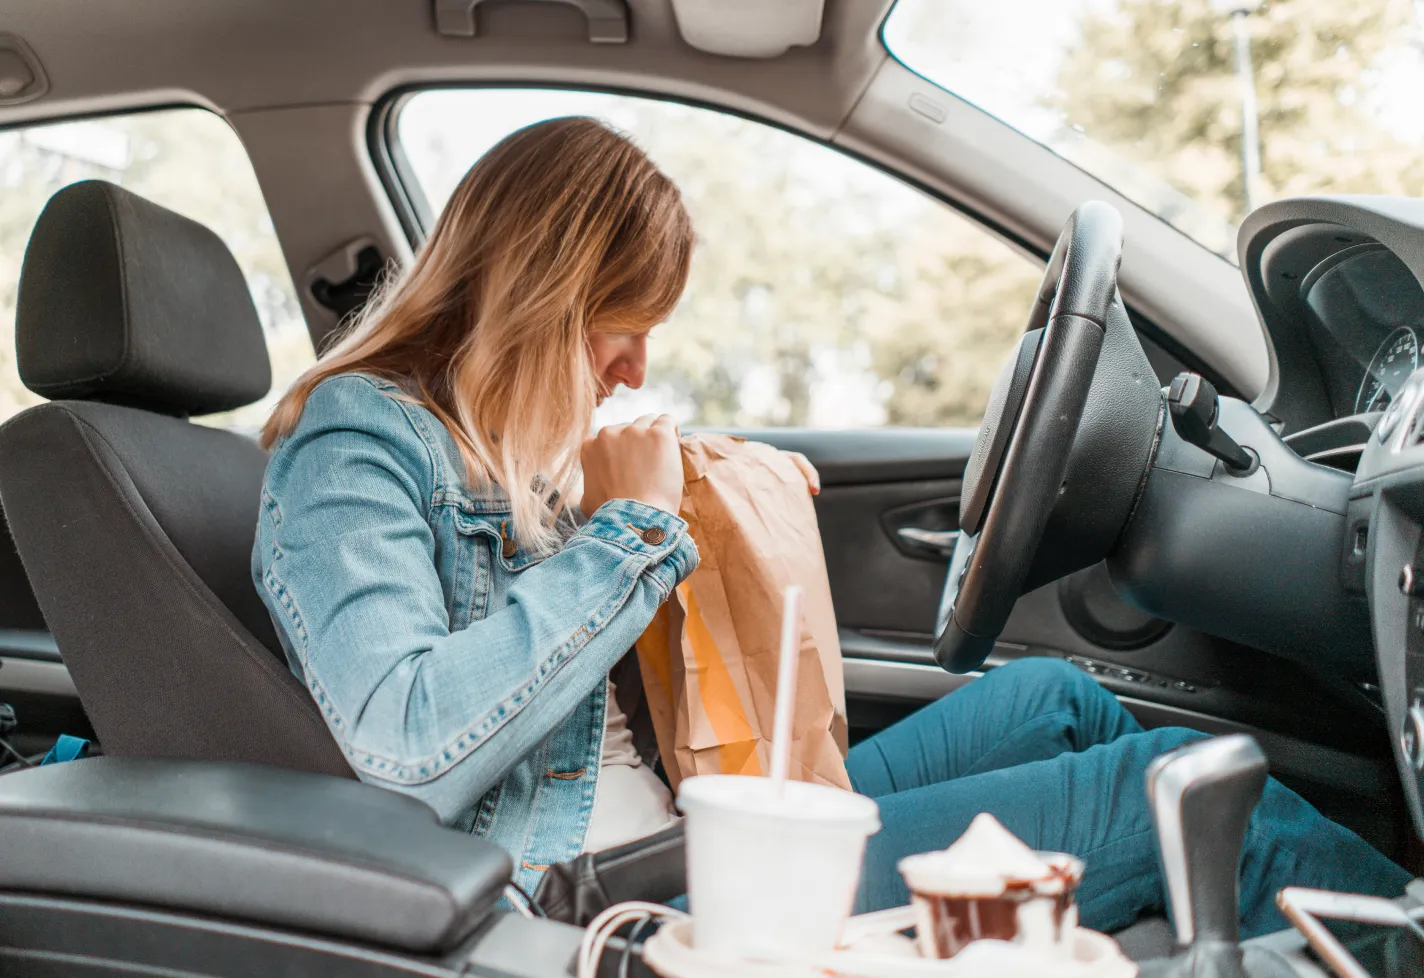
[{"x": 632, "y": 801}]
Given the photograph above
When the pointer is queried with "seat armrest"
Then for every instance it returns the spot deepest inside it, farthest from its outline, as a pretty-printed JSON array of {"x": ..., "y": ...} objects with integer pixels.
[{"x": 301, "y": 852}]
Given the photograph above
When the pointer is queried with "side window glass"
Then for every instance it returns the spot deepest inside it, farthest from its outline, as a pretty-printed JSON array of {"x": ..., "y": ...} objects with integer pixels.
[
  {"x": 824, "y": 293},
  {"x": 188, "y": 160}
]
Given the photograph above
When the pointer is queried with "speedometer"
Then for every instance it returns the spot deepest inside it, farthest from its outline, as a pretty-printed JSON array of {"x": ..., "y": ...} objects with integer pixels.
[{"x": 1396, "y": 358}]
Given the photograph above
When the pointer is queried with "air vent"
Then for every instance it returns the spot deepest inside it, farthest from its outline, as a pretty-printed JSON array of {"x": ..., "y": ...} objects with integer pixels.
[
  {"x": 1346, "y": 458},
  {"x": 1338, "y": 444}
]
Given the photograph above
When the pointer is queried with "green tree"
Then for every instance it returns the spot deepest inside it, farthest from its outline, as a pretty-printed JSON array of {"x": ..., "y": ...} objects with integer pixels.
[
  {"x": 808, "y": 258},
  {"x": 1155, "y": 80},
  {"x": 942, "y": 336}
]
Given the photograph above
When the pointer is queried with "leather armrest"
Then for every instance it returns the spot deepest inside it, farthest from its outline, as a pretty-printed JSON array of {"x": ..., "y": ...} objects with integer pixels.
[{"x": 300, "y": 852}]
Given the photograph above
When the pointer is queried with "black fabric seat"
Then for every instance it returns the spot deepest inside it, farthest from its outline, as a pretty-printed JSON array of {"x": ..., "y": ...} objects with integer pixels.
[{"x": 134, "y": 525}]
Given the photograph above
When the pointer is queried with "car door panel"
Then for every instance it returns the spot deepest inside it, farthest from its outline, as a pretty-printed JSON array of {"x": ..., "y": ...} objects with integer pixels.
[{"x": 861, "y": 549}]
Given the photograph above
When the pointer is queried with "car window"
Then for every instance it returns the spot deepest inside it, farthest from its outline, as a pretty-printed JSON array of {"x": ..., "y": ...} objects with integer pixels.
[
  {"x": 1156, "y": 97},
  {"x": 823, "y": 293},
  {"x": 188, "y": 160}
]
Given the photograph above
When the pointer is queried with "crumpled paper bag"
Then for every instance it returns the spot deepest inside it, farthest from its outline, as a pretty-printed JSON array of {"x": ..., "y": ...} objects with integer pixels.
[{"x": 709, "y": 658}]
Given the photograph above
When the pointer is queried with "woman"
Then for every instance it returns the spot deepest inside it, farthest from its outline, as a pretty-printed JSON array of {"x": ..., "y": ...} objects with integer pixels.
[{"x": 456, "y": 620}]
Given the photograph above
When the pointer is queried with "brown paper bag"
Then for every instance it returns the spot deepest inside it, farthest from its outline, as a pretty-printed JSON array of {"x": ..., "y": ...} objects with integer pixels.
[{"x": 709, "y": 659}]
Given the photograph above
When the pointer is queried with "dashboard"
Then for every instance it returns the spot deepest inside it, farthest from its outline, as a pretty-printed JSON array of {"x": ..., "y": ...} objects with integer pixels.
[{"x": 1336, "y": 281}]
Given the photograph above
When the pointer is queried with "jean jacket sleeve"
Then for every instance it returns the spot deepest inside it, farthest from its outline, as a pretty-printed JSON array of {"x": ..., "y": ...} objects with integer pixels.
[{"x": 347, "y": 566}]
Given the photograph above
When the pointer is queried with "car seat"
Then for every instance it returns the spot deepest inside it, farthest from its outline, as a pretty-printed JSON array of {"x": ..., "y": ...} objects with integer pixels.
[{"x": 135, "y": 525}]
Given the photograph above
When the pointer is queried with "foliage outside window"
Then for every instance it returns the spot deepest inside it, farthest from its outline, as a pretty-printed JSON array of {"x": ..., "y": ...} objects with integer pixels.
[
  {"x": 188, "y": 160},
  {"x": 823, "y": 292},
  {"x": 1146, "y": 94}
]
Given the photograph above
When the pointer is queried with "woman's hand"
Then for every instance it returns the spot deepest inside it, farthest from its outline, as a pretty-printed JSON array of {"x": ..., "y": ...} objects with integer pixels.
[
  {"x": 813, "y": 478},
  {"x": 638, "y": 461}
]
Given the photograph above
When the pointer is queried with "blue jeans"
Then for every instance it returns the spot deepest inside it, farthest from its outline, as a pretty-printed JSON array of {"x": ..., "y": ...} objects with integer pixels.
[{"x": 1058, "y": 760}]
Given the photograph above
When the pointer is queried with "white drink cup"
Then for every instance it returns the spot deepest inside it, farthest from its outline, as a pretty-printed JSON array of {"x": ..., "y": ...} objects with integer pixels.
[{"x": 772, "y": 876}]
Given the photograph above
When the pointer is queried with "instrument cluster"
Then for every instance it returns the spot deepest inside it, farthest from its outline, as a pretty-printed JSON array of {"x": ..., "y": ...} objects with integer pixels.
[
  {"x": 1366, "y": 313},
  {"x": 1396, "y": 358}
]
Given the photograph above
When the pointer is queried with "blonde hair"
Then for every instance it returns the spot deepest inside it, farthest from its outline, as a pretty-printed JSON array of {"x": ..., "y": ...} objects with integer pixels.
[{"x": 563, "y": 228}]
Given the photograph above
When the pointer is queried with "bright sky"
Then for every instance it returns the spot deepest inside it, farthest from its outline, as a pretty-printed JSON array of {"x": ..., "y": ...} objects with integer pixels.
[
  {"x": 1003, "y": 55},
  {"x": 1000, "y": 55}
]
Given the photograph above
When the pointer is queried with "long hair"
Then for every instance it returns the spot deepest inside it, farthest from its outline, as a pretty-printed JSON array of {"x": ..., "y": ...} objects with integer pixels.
[{"x": 563, "y": 228}]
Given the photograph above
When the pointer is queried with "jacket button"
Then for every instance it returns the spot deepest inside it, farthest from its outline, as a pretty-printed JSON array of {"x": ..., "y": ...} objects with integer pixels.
[{"x": 653, "y": 535}]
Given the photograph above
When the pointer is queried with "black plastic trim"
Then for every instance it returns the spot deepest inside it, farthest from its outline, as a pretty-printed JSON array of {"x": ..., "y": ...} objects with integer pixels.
[
  {"x": 28, "y": 643},
  {"x": 394, "y": 170},
  {"x": 44, "y": 935}
]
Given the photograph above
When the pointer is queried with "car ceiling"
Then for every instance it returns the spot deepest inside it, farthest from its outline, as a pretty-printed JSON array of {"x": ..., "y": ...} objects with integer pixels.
[
  {"x": 298, "y": 81},
  {"x": 248, "y": 55}
]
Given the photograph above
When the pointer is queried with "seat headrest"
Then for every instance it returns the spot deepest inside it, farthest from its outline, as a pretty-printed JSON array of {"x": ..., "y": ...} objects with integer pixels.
[{"x": 126, "y": 302}]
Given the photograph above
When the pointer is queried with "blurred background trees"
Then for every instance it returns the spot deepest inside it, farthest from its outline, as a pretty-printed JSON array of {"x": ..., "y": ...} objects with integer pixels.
[
  {"x": 1155, "y": 80},
  {"x": 823, "y": 291}
]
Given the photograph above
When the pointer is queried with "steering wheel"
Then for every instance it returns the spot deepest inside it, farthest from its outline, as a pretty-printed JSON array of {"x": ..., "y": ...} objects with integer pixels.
[{"x": 1016, "y": 472}]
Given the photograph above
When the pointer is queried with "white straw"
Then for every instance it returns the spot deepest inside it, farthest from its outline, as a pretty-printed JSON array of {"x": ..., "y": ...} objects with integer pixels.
[{"x": 786, "y": 685}]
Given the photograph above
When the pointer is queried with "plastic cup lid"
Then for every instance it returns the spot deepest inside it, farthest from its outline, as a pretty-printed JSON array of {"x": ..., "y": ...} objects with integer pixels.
[{"x": 802, "y": 802}]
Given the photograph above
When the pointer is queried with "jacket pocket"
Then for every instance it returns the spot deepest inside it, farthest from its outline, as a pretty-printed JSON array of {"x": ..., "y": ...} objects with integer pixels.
[{"x": 497, "y": 533}]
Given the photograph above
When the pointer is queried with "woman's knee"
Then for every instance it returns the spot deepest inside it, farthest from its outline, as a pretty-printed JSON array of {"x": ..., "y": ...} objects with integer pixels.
[
  {"x": 1162, "y": 740},
  {"x": 1170, "y": 738},
  {"x": 1056, "y": 675},
  {"x": 1057, "y": 686}
]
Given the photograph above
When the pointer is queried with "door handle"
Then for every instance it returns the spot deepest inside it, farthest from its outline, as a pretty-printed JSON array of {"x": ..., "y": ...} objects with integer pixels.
[{"x": 938, "y": 541}]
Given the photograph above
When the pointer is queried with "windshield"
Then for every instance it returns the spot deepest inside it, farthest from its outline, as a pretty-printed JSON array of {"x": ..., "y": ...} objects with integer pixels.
[{"x": 1153, "y": 96}]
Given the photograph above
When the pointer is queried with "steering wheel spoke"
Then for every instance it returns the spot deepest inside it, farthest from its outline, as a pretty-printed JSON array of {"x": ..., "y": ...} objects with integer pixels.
[{"x": 958, "y": 562}]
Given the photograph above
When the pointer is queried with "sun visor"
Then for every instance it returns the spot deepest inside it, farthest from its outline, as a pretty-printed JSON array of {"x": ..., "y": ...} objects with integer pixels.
[{"x": 748, "y": 28}]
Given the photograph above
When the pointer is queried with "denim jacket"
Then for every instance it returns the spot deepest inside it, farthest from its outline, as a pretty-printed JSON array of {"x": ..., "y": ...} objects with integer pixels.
[{"x": 450, "y": 664}]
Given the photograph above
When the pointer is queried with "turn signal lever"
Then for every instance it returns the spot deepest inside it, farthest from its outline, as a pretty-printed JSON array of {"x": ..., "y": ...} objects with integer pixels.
[
  {"x": 1191, "y": 400},
  {"x": 1201, "y": 797}
]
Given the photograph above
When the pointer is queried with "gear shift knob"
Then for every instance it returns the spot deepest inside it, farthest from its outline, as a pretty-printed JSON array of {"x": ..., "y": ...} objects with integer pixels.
[{"x": 1201, "y": 797}]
